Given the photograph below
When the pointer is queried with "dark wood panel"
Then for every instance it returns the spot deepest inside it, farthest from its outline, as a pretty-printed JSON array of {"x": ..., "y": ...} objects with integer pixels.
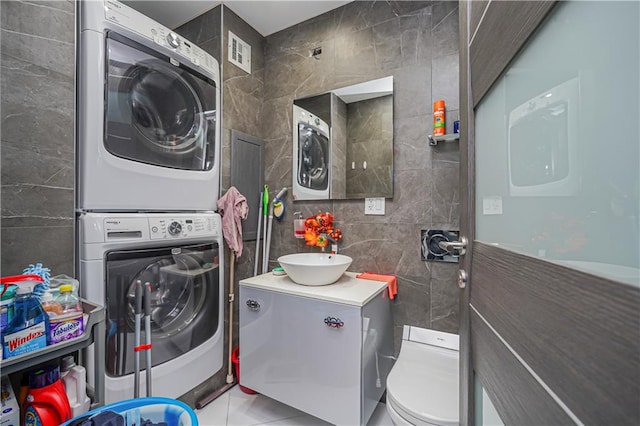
[
  {"x": 247, "y": 175},
  {"x": 516, "y": 395},
  {"x": 475, "y": 14},
  {"x": 580, "y": 333},
  {"x": 466, "y": 216},
  {"x": 506, "y": 26}
]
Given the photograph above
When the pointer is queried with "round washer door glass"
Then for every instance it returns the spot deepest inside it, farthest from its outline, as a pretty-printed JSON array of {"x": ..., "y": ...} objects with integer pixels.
[
  {"x": 184, "y": 305},
  {"x": 157, "y": 113}
]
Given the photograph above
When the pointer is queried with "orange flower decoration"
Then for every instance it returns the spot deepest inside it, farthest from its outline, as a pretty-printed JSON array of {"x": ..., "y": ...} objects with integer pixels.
[{"x": 318, "y": 227}]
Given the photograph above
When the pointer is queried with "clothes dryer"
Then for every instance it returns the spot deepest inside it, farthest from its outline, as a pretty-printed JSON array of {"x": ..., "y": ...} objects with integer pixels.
[
  {"x": 181, "y": 256},
  {"x": 147, "y": 115},
  {"x": 311, "y": 156}
]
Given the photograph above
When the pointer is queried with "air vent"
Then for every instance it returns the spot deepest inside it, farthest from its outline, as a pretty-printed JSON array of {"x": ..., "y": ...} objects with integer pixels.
[{"x": 239, "y": 52}]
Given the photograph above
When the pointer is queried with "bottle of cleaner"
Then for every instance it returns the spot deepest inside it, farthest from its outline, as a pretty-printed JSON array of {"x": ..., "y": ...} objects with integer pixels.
[
  {"x": 50, "y": 306},
  {"x": 46, "y": 402},
  {"x": 74, "y": 379},
  {"x": 29, "y": 327},
  {"x": 6, "y": 306},
  {"x": 438, "y": 118},
  {"x": 70, "y": 322}
]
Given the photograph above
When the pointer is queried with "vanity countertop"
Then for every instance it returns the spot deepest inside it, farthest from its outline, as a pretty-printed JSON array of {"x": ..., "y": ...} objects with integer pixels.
[{"x": 347, "y": 290}]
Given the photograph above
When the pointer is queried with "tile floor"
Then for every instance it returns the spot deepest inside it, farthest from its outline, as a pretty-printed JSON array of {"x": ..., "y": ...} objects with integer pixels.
[{"x": 236, "y": 408}]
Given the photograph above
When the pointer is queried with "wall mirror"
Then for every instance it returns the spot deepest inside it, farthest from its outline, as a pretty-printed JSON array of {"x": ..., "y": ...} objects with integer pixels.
[{"x": 343, "y": 143}]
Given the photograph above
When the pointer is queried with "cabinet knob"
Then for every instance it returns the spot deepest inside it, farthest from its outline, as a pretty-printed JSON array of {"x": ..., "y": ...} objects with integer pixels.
[
  {"x": 253, "y": 305},
  {"x": 333, "y": 322}
]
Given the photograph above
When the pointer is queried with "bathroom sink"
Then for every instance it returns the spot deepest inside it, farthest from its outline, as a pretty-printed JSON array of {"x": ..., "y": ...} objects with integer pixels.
[{"x": 314, "y": 268}]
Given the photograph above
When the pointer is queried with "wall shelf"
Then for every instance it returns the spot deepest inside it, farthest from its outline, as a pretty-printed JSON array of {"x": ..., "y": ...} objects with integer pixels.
[{"x": 450, "y": 137}]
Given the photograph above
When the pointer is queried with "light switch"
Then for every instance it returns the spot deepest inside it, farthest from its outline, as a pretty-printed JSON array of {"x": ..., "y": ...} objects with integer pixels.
[
  {"x": 492, "y": 205},
  {"x": 374, "y": 206}
]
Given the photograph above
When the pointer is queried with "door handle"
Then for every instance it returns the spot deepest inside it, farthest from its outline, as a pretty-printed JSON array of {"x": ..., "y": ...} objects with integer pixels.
[
  {"x": 455, "y": 248},
  {"x": 253, "y": 305}
]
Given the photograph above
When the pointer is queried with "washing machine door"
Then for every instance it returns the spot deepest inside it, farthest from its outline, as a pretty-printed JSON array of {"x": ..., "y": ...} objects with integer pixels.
[
  {"x": 185, "y": 301},
  {"x": 313, "y": 157},
  {"x": 158, "y": 111}
]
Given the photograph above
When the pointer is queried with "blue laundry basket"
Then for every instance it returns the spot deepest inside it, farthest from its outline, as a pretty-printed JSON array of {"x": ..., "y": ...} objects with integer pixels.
[{"x": 149, "y": 411}]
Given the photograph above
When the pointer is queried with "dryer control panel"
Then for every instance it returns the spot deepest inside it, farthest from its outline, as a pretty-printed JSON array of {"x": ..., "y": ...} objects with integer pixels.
[{"x": 133, "y": 20}]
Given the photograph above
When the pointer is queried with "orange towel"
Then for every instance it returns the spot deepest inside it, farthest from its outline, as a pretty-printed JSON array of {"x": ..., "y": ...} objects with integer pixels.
[{"x": 392, "y": 281}]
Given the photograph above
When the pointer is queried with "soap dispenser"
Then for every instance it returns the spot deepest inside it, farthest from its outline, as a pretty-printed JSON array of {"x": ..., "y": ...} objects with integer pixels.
[{"x": 298, "y": 225}]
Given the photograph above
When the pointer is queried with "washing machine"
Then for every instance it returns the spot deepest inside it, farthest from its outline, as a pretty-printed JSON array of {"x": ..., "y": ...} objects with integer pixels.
[
  {"x": 148, "y": 102},
  {"x": 180, "y": 255},
  {"x": 311, "y": 156}
]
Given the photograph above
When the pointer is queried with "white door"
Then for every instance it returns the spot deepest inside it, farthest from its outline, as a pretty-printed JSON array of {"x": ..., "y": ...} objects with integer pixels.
[{"x": 550, "y": 314}]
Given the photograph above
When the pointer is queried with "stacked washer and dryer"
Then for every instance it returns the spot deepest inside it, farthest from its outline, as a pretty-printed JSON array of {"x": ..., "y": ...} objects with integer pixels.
[{"x": 148, "y": 176}]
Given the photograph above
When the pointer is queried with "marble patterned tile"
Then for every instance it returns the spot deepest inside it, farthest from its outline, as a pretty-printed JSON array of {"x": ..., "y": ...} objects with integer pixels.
[
  {"x": 445, "y": 80},
  {"x": 40, "y": 20},
  {"x": 412, "y": 92},
  {"x": 65, "y": 5},
  {"x": 412, "y": 200},
  {"x": 356, "y": 16},
  {"x": 445, "y": 33},
  {"x": 441, "y": 10},
  {"x": 37, "y": 201},
  {"x": 446, "y": 195},
  {"x": 25, "y": 86},
  {"x": 445, "y": 298},
  {"x": 202, "y": 28},
  {"x": 43, "y": 170},
  {"x": 411, "y": 148},
  {"x": 50, "y": 131},
  {"x": 242, "y": 111},
  {"x": 404, "y": 8},
  {"x": 277, "y": 118},
  {"x": 51, "y": 246},
  {"x": 355, "y": 54},
  {"x": 53, "y": 55}
]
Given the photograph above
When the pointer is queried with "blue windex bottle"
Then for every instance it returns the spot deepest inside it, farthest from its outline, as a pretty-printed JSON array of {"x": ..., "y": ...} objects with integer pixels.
[{"x": 29, "y": 327}]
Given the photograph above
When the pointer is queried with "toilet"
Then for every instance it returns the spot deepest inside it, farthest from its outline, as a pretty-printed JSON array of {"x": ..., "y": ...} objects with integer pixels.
[{"x": 422, "y": 387}]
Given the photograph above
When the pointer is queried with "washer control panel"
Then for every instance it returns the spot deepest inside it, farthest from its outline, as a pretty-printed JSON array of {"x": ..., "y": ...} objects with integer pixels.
[
  {"x": 133, "y": 20},
  {"x": 180, "y": 227},
  {"x": 149, "y": 226}
]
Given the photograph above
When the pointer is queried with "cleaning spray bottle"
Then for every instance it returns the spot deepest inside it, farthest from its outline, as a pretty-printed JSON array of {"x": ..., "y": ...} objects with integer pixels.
[{"x": 29, "y": 327}]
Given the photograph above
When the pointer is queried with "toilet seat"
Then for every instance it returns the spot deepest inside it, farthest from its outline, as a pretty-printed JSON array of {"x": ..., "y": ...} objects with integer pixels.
[{"x": 422, "y": 387}]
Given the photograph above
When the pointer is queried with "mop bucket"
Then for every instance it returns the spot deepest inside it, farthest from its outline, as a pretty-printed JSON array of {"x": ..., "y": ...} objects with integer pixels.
[
  {"x": 141, "y": 411},
  {"x": 235, "y": 358}
]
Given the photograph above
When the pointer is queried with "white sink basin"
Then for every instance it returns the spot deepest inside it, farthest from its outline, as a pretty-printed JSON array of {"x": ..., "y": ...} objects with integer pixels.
[{"x": 315, "y": 268}]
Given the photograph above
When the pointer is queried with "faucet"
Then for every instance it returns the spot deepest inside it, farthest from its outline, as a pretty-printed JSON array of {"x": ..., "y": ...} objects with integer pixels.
[{"x": 334, "y": 243}]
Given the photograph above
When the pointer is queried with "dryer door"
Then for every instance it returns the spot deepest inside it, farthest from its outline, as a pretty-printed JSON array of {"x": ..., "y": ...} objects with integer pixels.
[
  {"x": 158, "y": 111},
  {"x": 185, "y": 303}
]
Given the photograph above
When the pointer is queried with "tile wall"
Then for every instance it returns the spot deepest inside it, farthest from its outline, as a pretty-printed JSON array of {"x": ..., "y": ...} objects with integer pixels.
[{"x": 37, "y": 68}]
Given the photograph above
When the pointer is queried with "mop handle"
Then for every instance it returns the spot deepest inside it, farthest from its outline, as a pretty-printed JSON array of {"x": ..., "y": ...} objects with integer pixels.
[
  {"x": 265, "y": 213},
  {"x": 147, "y": 332},
  {"x": 255, "y": 263},
  {"x": 136, "y": 356},
  {"x": 278, "y": 198}
]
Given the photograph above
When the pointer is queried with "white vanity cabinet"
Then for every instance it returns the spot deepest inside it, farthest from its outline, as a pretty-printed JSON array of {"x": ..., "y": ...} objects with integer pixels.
[{"x": 323, "y": 350}]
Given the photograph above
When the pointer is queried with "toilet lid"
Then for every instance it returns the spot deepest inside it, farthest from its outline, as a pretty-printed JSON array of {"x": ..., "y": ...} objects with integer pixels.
[{"x": 423, "y": 383}]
